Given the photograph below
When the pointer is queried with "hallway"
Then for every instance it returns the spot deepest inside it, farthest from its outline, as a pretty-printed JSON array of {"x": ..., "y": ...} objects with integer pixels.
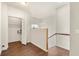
[
  {"x": 20, "y": 25},
  {"x": 17, "y": 49}
]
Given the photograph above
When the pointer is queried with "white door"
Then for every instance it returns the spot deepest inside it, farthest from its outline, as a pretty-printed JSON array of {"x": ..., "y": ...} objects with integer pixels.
[{"x": 14, "y": 29}]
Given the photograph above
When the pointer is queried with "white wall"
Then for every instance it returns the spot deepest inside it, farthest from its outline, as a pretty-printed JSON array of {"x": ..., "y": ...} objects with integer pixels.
[
  {"x": 63, "y": 26},
  {"x": 12, "y": 35},
  {"x": 74, "y": 50},
  {"x": 63, "y": 19},
  {"x": 63, "y": 41},
  {"x": 44, "y": 14},
  {"x": 4, "y": 26},
  {"x": 52, "y": 42},
  {"x": 50, "y": 23},
  {"x": 13, "y": 11},
  {"x": 0, "y": 28},
  {"x": 41, "y": 10}
]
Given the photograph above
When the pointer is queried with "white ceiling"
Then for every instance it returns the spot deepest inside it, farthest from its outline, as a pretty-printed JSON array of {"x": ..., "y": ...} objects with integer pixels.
[
  {"x": 43, "y": 10},
  {"x": 19, "y": 5},
  {"x": 38, "y": 9}
]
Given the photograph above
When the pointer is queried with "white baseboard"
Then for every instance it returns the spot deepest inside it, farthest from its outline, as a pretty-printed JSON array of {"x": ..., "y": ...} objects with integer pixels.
[{"x": 63, "y": 47}]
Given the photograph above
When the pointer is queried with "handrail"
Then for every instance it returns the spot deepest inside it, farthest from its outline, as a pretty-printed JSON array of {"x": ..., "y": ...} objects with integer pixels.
[
  {"x": 59, "y": 34},
  {"x": 52, "y": 35},
  {"x": 63, "y": 34}
]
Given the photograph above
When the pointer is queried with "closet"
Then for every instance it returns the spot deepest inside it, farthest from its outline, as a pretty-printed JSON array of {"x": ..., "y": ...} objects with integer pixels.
[{"x": 14, "y": 29}]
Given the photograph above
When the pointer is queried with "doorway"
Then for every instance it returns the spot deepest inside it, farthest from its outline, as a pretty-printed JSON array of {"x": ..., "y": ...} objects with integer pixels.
[{"x": 14, "y": 29}]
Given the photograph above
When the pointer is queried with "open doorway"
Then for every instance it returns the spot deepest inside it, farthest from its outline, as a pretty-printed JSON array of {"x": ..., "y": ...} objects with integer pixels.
[{"x": 14, "y": 29}]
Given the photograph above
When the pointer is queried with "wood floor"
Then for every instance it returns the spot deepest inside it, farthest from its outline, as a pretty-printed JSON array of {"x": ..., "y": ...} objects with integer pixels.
[
  {"x": 58, "y": 51},
  {"x": 17, "y": 49}
]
